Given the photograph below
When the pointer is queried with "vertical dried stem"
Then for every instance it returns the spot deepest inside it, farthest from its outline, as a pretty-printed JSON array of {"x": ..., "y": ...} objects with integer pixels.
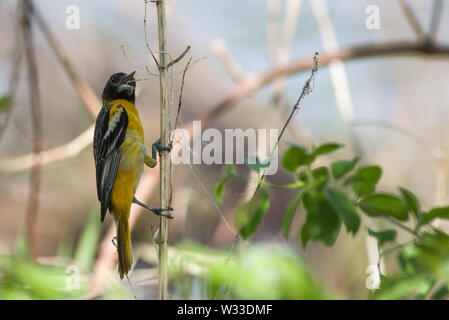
[
  {"x": 16, "y": 58},
  {"x": 35, "y": 111},
  {"x": 165, "y": 174}
]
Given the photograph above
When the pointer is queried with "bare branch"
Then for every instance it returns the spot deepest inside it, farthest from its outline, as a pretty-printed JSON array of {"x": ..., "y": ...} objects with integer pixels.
[
  {"x": 146, "y": 37},
  {"x": 435, "y": 22},
  {"x": 36, "y": 116},
  {"x": 221, "y": 51},
  {"x": 180, "y": 93},
  {"x": 254, "y": 83},
  {"x": 178, "y": 58},
  {"x": 65, "y": 151},
  {"x": 412, "y": 19},
  {"x": 306, "y": 89}
]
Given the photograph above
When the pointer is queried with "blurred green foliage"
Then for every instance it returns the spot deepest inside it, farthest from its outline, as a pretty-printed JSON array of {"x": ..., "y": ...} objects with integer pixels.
[
  {"x": 343, "y": 198},
  {"x": 22, "y": 278}
]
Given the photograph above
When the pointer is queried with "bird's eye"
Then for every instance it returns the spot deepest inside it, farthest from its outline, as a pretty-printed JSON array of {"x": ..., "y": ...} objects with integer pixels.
[{"x": 114, "y": 79}]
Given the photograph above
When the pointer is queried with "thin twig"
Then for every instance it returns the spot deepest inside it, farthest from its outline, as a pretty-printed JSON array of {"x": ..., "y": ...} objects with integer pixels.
[
  {"x": 435, "y": 22},
  {"x": 180, "y": 94},
  {"x": 306, "y": 89},
  {"x": 178, "y": 58},
  {"x": 412, "y": 19},
  {"x": 146, "y": 37},
  {"x": 36, "y": 116}
]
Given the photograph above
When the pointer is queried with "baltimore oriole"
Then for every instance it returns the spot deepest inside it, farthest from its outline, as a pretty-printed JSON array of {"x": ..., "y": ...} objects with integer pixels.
[{"x": 119, "y": 152}]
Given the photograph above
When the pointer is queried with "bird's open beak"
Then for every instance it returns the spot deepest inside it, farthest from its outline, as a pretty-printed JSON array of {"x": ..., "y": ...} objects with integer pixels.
[
  {"x": 127, "y": 82},
  {"x": 129, "y": 78}
]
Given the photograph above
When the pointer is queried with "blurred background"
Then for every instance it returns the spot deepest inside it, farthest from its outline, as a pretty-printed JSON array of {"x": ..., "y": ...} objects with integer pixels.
[{"x": 389, "y": 108}]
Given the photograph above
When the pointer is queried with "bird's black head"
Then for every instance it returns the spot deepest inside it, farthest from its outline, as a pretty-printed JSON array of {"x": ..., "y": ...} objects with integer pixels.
[{"x": 120, "y": 86}]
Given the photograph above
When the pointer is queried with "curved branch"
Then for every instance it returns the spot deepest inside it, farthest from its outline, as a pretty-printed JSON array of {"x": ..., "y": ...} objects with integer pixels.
[
  {"x": 65, "y": 151},
  {"x": 400, "y": 48},
  {"x": 250, "y": 85}
]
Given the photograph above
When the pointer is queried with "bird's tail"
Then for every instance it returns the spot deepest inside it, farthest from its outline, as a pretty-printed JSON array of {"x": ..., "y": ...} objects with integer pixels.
[{"x": 124, "y": 247}]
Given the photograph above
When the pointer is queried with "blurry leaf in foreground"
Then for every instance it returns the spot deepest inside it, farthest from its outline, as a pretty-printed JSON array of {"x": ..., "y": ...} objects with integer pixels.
[
  {"x": 322, "y": 222},
  {"x": 321, "y": 177},
  {"x": 24, "y": 279},
  {"x": 327, "y": 148},
  {"x": 345, "y": 209},
  {"x": 383, "y": 236},
  {"x": 384, "y": 204},
  {"x": 403, "y": 286},
  {"x": 248, "y": 215},
  {"x": 88, "y": 243},
  {"x": 295, "y": 157},
  {"x": 365, "y": 179},
  {"x": 219, "y": 187},
  {"x": 410, "y": 200},
  {"x": 440, "y": 212},
  {"x": 341, "y": 167},
  {"x": 286, "y": 222},
  {"x": 6, "y": 102},
  {"x": 261, "y": 272}
]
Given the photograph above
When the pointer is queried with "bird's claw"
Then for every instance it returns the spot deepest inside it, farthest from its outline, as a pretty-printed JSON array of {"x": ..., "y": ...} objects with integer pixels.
[
  {"x": 157, "y": 145},
  {"x": 158, "y": 211}
]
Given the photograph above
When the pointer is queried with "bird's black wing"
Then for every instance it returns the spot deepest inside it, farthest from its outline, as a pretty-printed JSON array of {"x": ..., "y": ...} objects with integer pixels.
[{"x": 110, "y": 130}]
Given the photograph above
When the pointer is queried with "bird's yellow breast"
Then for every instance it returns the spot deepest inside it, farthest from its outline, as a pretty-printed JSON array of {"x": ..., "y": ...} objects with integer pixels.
[{"x": 131, "y": 164}]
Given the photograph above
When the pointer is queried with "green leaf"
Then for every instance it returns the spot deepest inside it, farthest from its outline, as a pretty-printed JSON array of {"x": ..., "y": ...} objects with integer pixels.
[
  {"x": 88, "y": 243},
  {"x": 304, "y": 235},
  {"x": 345, "y": 209},
  {"x": 402, "y": 286},
  {"x": 6, "y": 102},
  {"x": 295, "y": 157},
  {"x": 327, "y": 148},
  {"x": 383, "y": 236},
  {"x": 286, "y": 222},
  {"x": 219, "y": 187},
  {"x": 410, "y": 200},
  {"x": 384, "y": 204},
  {"x": 440, "y": 212},
  {"x": 321, "y": 177},
  {"x": 322, "y": 222},
  {"x": 248, "y": 215},
  {"x": 341, "y": 167},
  {"x": 364, "y": 181}
]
